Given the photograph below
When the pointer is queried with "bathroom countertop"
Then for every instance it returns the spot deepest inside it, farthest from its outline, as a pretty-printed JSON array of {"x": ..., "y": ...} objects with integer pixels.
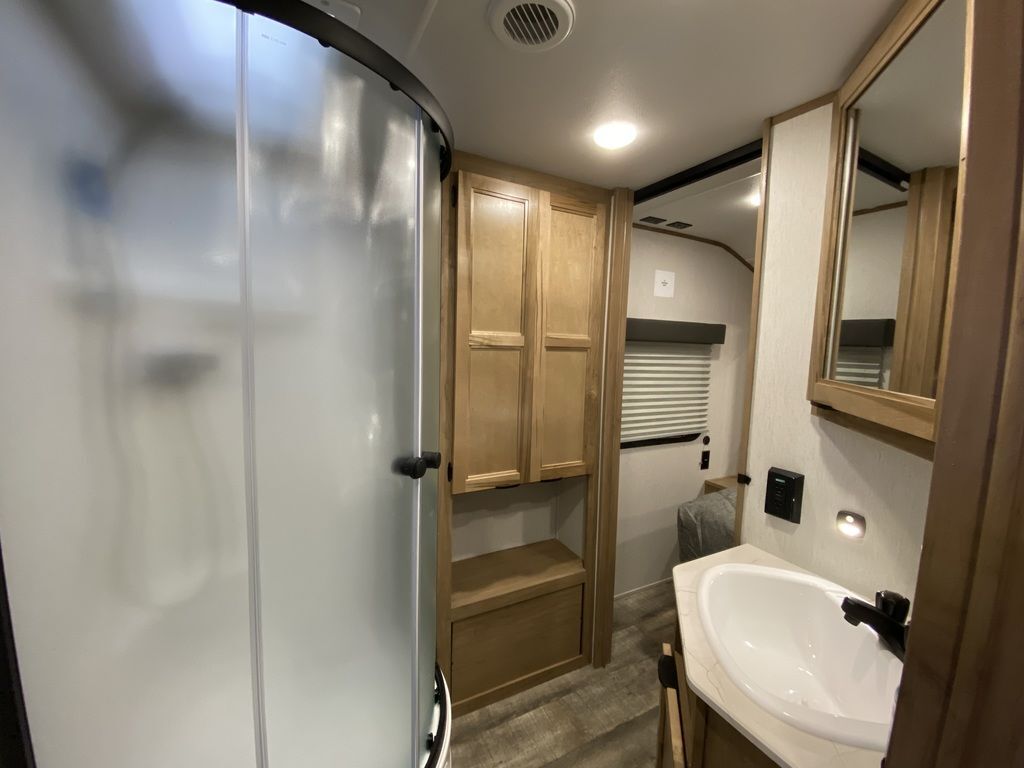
[{"x": 788, "y": 746}]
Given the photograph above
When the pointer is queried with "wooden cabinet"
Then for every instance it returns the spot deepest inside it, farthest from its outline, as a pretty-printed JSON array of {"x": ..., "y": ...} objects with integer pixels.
[
  {"x": 529, "y": 307},
  {"x": 692, "y": 735},
  {"x": 516, "y": 619},
  {"x": 523, "y": 296}
]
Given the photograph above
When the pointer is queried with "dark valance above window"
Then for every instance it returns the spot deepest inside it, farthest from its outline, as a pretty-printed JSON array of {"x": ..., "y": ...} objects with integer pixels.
[
  {"x": 674, "y": 331},
  {"x": 867, "y": 333}
]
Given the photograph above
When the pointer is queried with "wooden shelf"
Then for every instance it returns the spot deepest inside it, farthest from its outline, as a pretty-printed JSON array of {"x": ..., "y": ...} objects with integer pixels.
[
  {"x": 497, "y": 579},
  {"x": 720, "y": 484}
]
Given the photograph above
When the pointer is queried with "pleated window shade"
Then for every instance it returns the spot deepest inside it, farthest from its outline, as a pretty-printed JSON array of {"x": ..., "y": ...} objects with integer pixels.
[
  {"x": 860, "y": 365},
  {"x": 665, "y": 390}
]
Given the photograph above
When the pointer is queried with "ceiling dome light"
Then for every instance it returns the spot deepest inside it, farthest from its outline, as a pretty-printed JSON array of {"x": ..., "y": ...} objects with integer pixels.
[
  {"x": 615, "y": 135},
  {"x": 753, "y": 200}
]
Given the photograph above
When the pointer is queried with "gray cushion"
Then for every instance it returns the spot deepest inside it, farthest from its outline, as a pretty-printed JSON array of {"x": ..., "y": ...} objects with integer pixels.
[{"x": 706, "y": 524}]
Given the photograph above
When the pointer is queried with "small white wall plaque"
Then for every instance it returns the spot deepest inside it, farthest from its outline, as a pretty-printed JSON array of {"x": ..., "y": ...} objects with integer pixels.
[{"x": 664, "y": 283}]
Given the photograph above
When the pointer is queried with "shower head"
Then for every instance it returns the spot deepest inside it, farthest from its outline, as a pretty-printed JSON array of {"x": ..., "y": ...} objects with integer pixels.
[{"x": 176, "y": 369}]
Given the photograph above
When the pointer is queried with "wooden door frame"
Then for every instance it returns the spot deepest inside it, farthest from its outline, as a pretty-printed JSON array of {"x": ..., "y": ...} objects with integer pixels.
[
  {"x": 607, "y": 485},
  {"x": 960, "y": 695}
]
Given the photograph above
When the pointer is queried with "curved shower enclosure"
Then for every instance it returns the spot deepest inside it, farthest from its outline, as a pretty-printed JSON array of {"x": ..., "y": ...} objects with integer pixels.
[{"x": 219, "y": 286}]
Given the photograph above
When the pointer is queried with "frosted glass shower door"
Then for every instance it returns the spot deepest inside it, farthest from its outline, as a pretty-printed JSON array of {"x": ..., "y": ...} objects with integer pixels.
[
  {"x": 332, "y": 251},
  {"x": 122, "y": 497}
]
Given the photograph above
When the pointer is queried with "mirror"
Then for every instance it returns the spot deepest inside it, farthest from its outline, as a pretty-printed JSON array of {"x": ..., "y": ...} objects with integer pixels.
[{"x": 895, "y": 244}]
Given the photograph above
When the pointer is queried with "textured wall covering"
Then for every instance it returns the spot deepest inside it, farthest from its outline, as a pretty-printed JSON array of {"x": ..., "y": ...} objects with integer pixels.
[
  {"x": 844, "y": 470},
  {"x": 873, "y": 262},
  {"x": 710, "y": 287}
]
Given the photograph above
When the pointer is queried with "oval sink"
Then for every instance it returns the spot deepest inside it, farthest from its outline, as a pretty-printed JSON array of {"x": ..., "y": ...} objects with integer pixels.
[{"x": 781, "y": 638}]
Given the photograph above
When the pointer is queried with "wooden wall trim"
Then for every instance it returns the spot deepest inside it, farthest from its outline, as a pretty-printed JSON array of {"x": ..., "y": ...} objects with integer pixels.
[
  {"x": 695, "y": 238},
  {"x": 905, "y": 23},
  {"x": 960, "y": 695},
  {"x": 924, "y": 282},
  {"x": 802, "y": 109},
  {"x": 918, "y": 446},
  {"x": 611, "y": 422},
  {"x": 755, "y": 313},
  {"x": 443, "y": 593},
  {"x": 829, "y": 240},
  {"x": 880, "y": 208}
]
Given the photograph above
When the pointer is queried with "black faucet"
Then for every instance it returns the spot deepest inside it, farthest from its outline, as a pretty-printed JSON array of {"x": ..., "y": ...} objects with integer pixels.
[{"x": 888, "y": 617}]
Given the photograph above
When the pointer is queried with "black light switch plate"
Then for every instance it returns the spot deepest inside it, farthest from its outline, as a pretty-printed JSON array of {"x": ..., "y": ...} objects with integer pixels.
[{"x": 784, "y": 494}]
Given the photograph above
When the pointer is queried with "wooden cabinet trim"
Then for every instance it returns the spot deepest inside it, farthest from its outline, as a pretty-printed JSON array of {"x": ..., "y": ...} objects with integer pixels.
[
  {"x": 496, "y": 339},
  {"x": 566, "y": 341},
  {"x": 486, "y": 582}
]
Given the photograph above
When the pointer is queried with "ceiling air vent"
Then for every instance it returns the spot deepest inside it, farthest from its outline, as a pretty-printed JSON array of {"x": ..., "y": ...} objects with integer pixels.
[
  {"x": 678, "y": 225},
  {"x": 531, "y": 26},
  {"x": 652, "y": 220}
]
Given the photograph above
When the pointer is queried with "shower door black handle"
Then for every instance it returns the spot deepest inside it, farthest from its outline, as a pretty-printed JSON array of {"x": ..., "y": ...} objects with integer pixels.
[{"x": 417, "y": 466}]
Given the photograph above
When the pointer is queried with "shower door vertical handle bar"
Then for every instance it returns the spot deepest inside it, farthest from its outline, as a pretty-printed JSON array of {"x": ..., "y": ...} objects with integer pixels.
[
  {"x": 417, "y": 536},
  {"x": 248, "y": 387}
]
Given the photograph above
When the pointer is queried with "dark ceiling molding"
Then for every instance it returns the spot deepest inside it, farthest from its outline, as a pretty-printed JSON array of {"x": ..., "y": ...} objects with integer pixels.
[
  {"x": 880, "y": 208},
  {"x": 881, "y": 169},
  {"x": 335, "y": 34},
  {"x": 699, "y": 172},
  {"x": 695, "y": 238}
]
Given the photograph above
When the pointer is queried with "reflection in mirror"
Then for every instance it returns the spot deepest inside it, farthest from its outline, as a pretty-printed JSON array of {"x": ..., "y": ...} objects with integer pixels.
[{"x": 894, "y": 265}]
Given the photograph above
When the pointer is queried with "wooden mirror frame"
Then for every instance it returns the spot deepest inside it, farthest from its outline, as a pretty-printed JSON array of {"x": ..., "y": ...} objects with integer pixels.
[{"x": 897, "y": 414}]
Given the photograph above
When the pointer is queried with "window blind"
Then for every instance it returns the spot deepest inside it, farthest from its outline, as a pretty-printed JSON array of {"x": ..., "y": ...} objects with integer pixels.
[
  {"x": 665, "y": 390},
  {"x": 861, "y": 365}
]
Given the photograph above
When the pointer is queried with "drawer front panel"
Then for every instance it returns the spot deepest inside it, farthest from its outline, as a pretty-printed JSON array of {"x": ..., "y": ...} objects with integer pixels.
[{"x": 501, "y": 646}]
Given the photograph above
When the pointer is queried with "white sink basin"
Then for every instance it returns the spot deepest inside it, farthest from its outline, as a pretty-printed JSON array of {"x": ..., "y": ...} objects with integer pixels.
[{"x": 781, "y": 638}]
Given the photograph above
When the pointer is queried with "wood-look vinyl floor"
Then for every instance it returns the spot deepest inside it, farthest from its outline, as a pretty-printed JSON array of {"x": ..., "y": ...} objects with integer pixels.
[{"x": 589, "y": 718}]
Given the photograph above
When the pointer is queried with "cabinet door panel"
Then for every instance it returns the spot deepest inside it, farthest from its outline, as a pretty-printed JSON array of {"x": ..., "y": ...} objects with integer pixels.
[
  {"x": 563, "y": 424},
  {"x": 572, "y": 257},
  {"x": 495, "y": 323},
  {"x": 501, "y": 646},
  {"x": 498, "y": 236},
  {"x": 495, "y": 398},
  {"x": 570, "y": 260}
]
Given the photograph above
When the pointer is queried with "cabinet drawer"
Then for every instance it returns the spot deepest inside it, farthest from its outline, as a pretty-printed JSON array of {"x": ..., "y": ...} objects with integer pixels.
[{"x": 510, "y": 643}]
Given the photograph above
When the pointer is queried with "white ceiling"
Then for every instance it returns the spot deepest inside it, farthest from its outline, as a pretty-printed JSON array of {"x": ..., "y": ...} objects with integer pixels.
[
  {"x": 720, "y": 208},
  {"x": 696, "y": 76},
  {"x": 911, "y": 115},
  {"x": 869, "y": 192}
]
